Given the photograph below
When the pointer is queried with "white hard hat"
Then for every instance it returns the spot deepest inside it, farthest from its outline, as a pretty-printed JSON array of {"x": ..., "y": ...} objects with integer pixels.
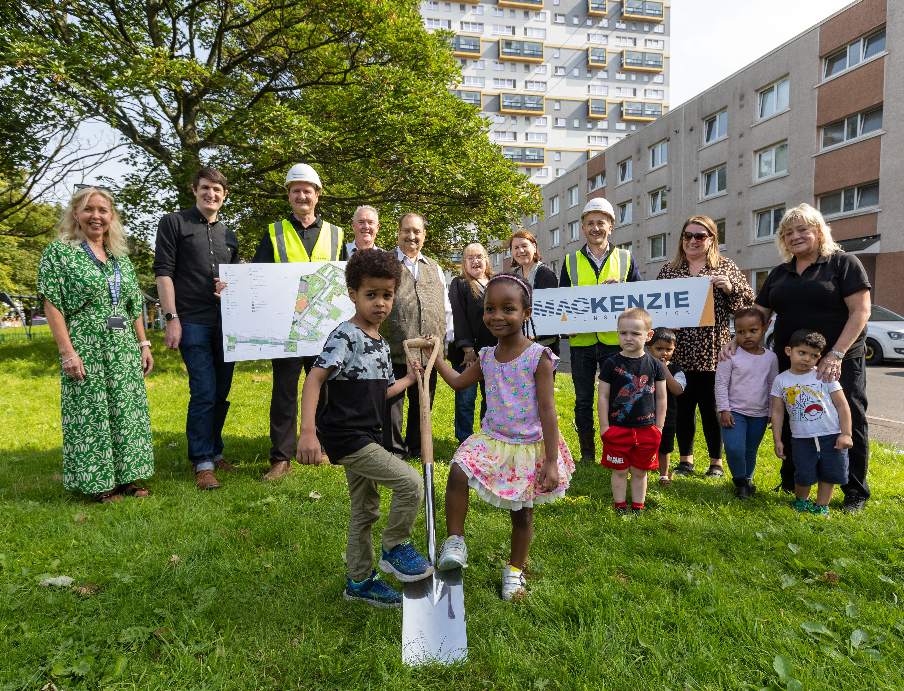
[
  {"x": 302, "y": 172},
  {"x": 598, "y": 204}
]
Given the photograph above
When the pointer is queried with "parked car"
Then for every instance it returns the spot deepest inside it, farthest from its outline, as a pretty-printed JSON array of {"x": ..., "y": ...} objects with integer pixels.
[{"x": 884, "y": 336}]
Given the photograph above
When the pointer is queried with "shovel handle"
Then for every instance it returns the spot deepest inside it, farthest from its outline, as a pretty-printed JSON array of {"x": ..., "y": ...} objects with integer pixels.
[{"x": 423, "y": 385}]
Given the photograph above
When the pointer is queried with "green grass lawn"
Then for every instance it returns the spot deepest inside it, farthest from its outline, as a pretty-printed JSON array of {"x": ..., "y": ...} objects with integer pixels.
[{"x": 240, "y": 588}]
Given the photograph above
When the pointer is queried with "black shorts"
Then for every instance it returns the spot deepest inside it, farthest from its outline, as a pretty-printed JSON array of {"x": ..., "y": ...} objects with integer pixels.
[{"x": 667, "y": 443}]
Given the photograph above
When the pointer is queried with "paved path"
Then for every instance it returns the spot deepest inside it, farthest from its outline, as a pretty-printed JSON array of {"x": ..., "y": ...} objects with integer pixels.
[{"x": 885, "y": 392}]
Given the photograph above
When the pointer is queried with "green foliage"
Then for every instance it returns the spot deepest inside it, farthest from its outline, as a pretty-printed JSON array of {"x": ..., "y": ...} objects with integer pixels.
[
  {"x": 689, "y": 597},
  {"x": 20, "y": 252},
  {"x": 357, "y": 88}
]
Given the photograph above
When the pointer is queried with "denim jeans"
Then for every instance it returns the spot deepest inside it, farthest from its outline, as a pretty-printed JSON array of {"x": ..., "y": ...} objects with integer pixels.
[
  {"x": 742, "y": 442},
  {"x": 586, "y": 361},
  {"x": 209, "y": 381},
  {"x": 465, "y": 401}
]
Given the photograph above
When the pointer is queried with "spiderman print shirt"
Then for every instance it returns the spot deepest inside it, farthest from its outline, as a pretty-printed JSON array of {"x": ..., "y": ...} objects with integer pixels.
[{"x": 632, "y": 388}]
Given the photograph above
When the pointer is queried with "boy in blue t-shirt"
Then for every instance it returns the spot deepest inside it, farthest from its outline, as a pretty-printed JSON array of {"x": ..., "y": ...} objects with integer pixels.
[{"x": 355, "y": 361}]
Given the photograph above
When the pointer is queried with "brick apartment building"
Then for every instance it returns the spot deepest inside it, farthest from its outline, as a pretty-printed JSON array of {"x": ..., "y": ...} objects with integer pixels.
[{"x": 816, "y": 120}]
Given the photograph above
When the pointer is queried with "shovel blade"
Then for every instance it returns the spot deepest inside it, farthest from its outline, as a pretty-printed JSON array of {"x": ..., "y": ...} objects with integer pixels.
[{"x": 433, "y": 620}]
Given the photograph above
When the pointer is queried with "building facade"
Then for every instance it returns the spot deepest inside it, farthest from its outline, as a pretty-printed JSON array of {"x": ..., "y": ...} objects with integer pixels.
[
  {"x": 816, "y": 120},
  {"x": 558, "y": 80}
]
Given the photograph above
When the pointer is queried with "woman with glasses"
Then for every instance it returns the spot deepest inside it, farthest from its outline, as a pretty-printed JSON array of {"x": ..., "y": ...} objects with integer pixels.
[
  {"x": 93, "y": 306},
  {"x": 697, "y": 349},
  {"x": 471, "y": 334},
  {"x": 527, "y": 266}
]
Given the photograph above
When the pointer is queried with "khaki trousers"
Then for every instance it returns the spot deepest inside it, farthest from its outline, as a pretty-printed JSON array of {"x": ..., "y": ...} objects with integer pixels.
[{"x": 365, "y": 469}]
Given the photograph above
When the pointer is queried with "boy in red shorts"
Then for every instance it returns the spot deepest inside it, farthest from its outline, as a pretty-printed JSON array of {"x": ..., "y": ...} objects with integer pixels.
[{"x": 632, "y": 406}]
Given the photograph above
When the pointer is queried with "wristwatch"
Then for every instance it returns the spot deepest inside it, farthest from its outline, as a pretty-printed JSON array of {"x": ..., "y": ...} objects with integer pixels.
[
  {"x": 839, "y": 354},
  {"x": 169, "y": 316}
]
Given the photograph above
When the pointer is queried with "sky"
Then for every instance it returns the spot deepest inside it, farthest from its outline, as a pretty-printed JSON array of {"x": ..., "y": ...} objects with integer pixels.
[{"x": 713, "y": 39}]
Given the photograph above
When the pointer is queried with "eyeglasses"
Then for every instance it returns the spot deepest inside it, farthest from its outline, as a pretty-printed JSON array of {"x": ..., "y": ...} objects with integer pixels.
[
  {"x": 100, "y": 188},
  {"x": 695, "y": 236}
]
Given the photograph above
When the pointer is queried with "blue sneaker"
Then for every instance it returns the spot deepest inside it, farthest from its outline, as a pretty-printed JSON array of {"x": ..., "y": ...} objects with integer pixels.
[
  {"x": 405, "y": 563},
  {"x": 802, "y": 505},
  {"x": 373, "y": 591}
]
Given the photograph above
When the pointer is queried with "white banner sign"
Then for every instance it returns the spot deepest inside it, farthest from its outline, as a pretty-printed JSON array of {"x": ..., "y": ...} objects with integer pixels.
[
  {"x": 677, "y": 302},
  {"x": 281, "y": 310}
]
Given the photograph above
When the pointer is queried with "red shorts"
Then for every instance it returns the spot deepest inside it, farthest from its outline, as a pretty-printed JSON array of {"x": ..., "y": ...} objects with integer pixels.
[{"x": 635, "y": 447}]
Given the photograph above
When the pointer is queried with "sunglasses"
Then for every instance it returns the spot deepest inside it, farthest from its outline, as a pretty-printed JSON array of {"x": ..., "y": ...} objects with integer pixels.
[
  {"x": 695, "y": 236},
  {"x": 101, "y": 188}
]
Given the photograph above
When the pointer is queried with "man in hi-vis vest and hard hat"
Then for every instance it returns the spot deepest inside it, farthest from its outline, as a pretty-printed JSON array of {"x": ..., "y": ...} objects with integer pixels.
[
  {"x": 302, "y": 237},
  {"x": 597, "y": 262}
]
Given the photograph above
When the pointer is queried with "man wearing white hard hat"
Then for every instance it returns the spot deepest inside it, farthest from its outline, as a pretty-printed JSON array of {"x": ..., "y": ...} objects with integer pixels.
[
  {"x": 302, "y": 237},
  {"x": 596, "y": 263}
]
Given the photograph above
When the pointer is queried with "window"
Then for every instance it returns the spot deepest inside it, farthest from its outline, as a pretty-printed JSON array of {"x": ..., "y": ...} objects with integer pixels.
[
  {"x": 597, "y": 90},
  {"x": 851, "y": 199},
  {"x": 596, "y": 182},
  {"x": 772, "y": 161},
  {"x": 498, "y": 66},
  {"x": 852, "y": 55},
  {"x": 715, "y": 182},
  {"x": 431, "y": 5},
  {"x": 654, "y": 93},
  {"x": 629, "y": 246},
  {"x": 533, "y": 219},
  {"x": 624, "y": 171},
  {"x": 560, "y": 122},
  {"x": 554, "y": 237},
  {"x": 535, "y": 86},
  {"x": 572, "y": 196},
  {"x": 473, "y": 27},
  {"x": 654, "y": 43},
  {"x": 624, "y": 213},
  {"x": 621, "y": 76},
  {"x": 505, "y": 136},
  {"x": 720, "y": 232},
  {"x": 479, "y": 64},
  {"x": 439, "y": 23},
  {"x": 560, "y": 71},
  {"x": 574, "y": 229},
  {"x": 851, "y": 127},
  {"x": 477, "y": 9},
  {"x": 659, "y": 29},
  {"x": 498, "y": 119},
  {"x": 553, "y": 206},
  {"x": 539, "y": 137},
  {"x": 532, "y": 32},
  {"x": 474, "y": 81},
  {"x": 558, "y": 19},
  {"x": 542, "y": 172},
  {"x": 554, "y": 267},
  {"x": 504, "y": 83},
  {"x": 625, "y": 41},
  {"x": 625, "y": 91},
  {"x": 597, "y": 39},
  {"x": 448, "y": 7},
  {"x": 620, "y": 126},
  {"x": 659, "y": 154},
  {"x": 658, "y": 79},
  {"x": 576, "y": 122},
  {"x": 541, "y": 69},
  {"x": 715, "y": 127},
  {"x": 657, "y": 247},
  {"x": 597, "y": 139},
  {"x": 774, "y": 99},
  {"x": 541, "y": 122},
  {"x": 576, "y": 72},
  {"x": 560, "y": 171},
  {"x": 657, "y": 202},
  {"x": 540, "y": 16},
  {"x": 498, "y": 12},
  {"x": 759, "y": 278},
  {"x": 501, "y": 30},
  {"x": 767, "y": 221}
]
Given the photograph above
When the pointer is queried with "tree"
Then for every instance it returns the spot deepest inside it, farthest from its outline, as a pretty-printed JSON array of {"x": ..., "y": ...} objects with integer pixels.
[
  {"x": 357, "y": 88},
  {"x": 20, "y": 253}
]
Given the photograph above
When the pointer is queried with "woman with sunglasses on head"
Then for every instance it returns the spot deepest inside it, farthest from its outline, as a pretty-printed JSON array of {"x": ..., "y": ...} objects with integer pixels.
[
  {"x": 697, "y": 349},
  {"x": 471, "y": 334},
  {"x": 93, "y": 306}
]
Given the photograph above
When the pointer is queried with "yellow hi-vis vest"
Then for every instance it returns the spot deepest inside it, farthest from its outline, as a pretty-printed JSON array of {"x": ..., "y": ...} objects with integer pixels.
[
  {"x": 287, "y": 246},
  {"x": 582, "y": 273}
]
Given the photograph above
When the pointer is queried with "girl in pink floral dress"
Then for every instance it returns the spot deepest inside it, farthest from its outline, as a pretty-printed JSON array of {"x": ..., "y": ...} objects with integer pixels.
[{"x": 508, "y": 462}]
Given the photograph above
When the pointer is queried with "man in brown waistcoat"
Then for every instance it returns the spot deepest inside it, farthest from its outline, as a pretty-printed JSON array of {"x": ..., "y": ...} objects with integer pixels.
[{"x": 421, "y": 306}]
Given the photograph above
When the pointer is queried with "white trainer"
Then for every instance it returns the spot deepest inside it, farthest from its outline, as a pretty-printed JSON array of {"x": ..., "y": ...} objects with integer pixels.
[
  {"x": 513, "y": 584},
  {"x": 453, "y": 554}
]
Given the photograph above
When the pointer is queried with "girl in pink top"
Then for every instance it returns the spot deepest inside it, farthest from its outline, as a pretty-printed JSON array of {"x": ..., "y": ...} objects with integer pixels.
[
  {"x": 743, "y": 390},
  {"x": 518, "y": 459}
]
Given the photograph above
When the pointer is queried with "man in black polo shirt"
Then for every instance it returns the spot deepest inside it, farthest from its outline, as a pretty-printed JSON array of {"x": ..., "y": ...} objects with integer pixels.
[{"x": 190, "y": 247}]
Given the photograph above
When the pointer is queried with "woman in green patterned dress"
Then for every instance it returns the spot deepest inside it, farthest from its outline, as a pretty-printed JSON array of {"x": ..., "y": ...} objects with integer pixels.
[{"x": 93, "y": 305}]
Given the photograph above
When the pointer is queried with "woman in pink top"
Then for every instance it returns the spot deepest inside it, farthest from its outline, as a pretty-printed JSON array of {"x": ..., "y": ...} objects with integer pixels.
[
  {"x": 743, "y": 386},
  {"x": 518, "y": 459}
]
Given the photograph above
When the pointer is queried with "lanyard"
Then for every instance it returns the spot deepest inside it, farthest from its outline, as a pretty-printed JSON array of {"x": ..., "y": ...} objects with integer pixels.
[{"x": 115, "y": 283}]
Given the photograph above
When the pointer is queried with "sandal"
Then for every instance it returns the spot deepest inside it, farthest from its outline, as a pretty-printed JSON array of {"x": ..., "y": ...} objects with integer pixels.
[
  {"x": 133, "y": 490},
  {"x": 108, "y": 496}
]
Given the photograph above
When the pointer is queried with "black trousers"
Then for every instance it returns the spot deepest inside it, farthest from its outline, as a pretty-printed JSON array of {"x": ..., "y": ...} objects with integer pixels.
[
  {"x": 394, "y": 440},
  {"x": 284, "y": 405},
  {"x": 853, "y": 384},
  {"x": 700, "y": 391}
]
